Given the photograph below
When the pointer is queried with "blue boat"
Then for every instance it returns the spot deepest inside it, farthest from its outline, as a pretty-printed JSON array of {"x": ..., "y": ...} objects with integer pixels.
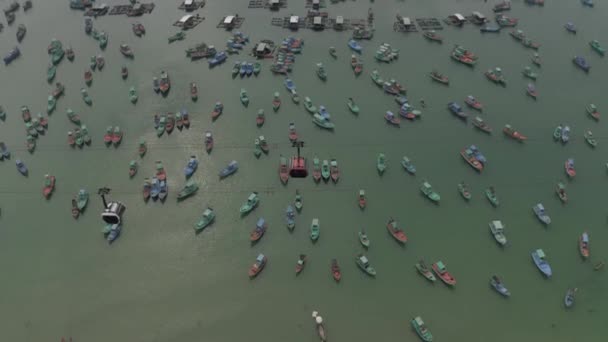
[
  {"x": 249, "y": 69},
  {"x": 4, "y": 152},
  {"x": 12, "y": 55},
  {"x": 569, "y": 298},
  {"x": 570, "y": 27},
  {"x": 355, "y": 46},
  {"x": 21, "y": 167},
  {"x": 290, "y": 217},
  {"x": 289, "y": 85},
  {"x": 588, "y": 3},
  {"x": 114, "y": 232},
  {"x": 219, "y": 58},
  {"x": 477, "y": 154},
  {"x": 581, "y": 63},
  {"x": 191, "y": 166},
  {"x": 456, "y": 109},
  {"x": 323, "y": 112},
  {"x": 155, "y": 188},
  {"x": 230, "y": 169},
  {"x": 243, "y": 69},
  {"x": 163, "y": 190},
  {"x": 490, "y": 28},
  {"x": 540, "y": 260}
]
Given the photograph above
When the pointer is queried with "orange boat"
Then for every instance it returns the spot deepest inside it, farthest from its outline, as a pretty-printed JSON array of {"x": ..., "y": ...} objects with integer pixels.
[
  {"x": 508, "y": 130},
  {"x": 301, "y": 263},
  {"x": 441, "y": 271},
  {"x": 583, "y": 245},
  {"x": 335, "y": 270},
  {"x": 395, "y": 231}
]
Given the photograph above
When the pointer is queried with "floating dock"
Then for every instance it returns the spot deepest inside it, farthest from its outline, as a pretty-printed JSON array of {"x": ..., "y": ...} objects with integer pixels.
[
  {"x": 319, "y": 22},
  {"x": 268, "y": 4},
  {"x": 131, "y": 10},
  {"x": 235, "y": 23},
  {"x": 191, "y": 5},
  {"x": 429, "y": 23}
]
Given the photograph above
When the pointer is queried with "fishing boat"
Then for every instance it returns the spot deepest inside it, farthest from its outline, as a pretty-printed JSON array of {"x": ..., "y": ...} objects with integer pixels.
[
  {"x": 381, "y": 163},
  {"x": 463, "y": 189},
  {"x": 154, "y": 189},
  {"x": 133, "y": 95},
  {"x": 527, "y": 72},
  {"x": 230, "y": 169},
  {"x": 325, "y": 170},
  {"x": 490, "y": 28},
  {"x": 170, "y": 123},
  {"x": 295, "y": 98},
  {"x": 249, "y": 69},
  {"x": 218, "y": 59},
  {"x": 258, "y": 265},
  {"x": 276, "y": 101},
  {"x": 592, "y": 111},
  {"x": 155, "y": 84},
  {"x": 289, "y": 85},
  {"x": 511, "y": 132},
  {"x": 132, "y": 168},
  {"x": 298, "y": 201},
  {"x": 85, "y": 96},
  {"x": 193, "y": 91},
  {"x": 75, "y": 211},
  {"x": 316, "y": 169},
  {"x": 290, "y": 218},
  {"x": 442, "y": 272},
  {"x": 257, "y": 67},
  {"x": 459, "y": 56},
  {"x": 352, "y": 106},
  {"x": 390, "y": 118},
  {"x": 321, "y": 72},
  {"x": 99, "y": 61},
  {"x": 396, "y": 232},
  {"x": 191, "y": 167},
  {"x": 335, "y": 270},
  {"x": 315, "y": 229},
  {"x": 107, "y": 137},
  {"x": 208, "y": 141},
  {"x": 30, "y": 143},
  {"x": 590, "y": 139},
  {"x": 456, "y": 109},
  {"x": 164, "y": 83},
  {"x": 21, "y": 30},
  {"x": 530, "y": 44},
  {"x": 531, "y": 91},
  {"x": 433, "y": 36},
  {"x": 252, "y": 202},
  {"x": 355, "y": 46},
  {"x": 126, "y": 50},
  {"x": 421, "y": 329},
  {"x": 50, "y": 106},
  {"x": 539, "y": 258},
  {"x": 88, "y": 77},
  {"x": 569, "y": 298},
  {"x": 358, "y": 68},
  {"x": 536, "y": 59},
  {"x": 496, "y": 76},
  {"x": 424, "y": 270},
  {"x": 71, "y": 139},
  {"x": 597, "y": 47},
  {"x": 541, "y": 214},
  {"x": 178, "y": 36},
  {"x": 12, "y": 55},
  {"x": 560, "y": 190},
  {"x": 264, "y": 144},
  {"x": 58, "y": 91},
  {"x": 258, "y": 231},
  {"x": 498, "y": 231},
  {"x": 583, "y": 245},
  {"x": 206, "y": 219},
  {"x": 363, "y": 239},
  {"x": 82, "y": 199},
  {"x": 257, "y": 151},
  {"x": 322, "y": 122},
  {"x": 438, "y": 77},
  {"x": 481, "y": 125},
  {"x": 492, "y": 197},
  {"x": 499, "y": 286},
  {"x": 283, "y": 170},
  {"x": 333, "y": 52},
  {"x": 582, "y": 63},
  {"x": 88, "y": 25},
  {"x": 334, "y": 170},
  {"x": 244, "y": 97},
  {"x": 73, "y": 117},
  {"x": 588, "y": 3},
  {"x": 502, "y": 6},
  {"x": 473, "y": 103},
  {"x": 504, "y": 21},
  {"x": 363, "y": 263},
  {"x": 218, "y": 109},
  {"x": 124, "y": 72},
  {"x": 21, "y": 167},
  {"x": 293, "y": 135},
  {"x": 179, "y": 121},
  {"x": 569, "y": 167},
  {"x": 376, "y": 78},
  {"x": 103, "y": 40},
  {"x": 236, "y": 67},
  {"x": 138, "y": 29},
  {"x": 51, "y": 71},
  {"x": 428, "y": 191},
  {"x": 116, "y": 136},
  {"x": 161, "y": 174},
  {"x": 361, "y": 199},
  {"x": 408, "y": 165},
  {"x": 25, "y": 114},
  {"x": 565, "y": 136},
  {"x": 49, "y": 186}
]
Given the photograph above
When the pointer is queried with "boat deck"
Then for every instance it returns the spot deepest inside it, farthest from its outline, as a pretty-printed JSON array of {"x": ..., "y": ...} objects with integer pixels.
[
  {"x": 265, "y": 4},
  {"x": 195, "y": 5}
]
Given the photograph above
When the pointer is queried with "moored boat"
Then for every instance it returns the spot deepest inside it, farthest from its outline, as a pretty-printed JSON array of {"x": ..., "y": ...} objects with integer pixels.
[
  {"x": 456, "y": 109},
  {"x": 481, "y": 125},
  {"x": 583, "y": 245},
  {"x": 300, "y": 263},
  {"x": 565, "y": 136},
  {"x": 390, "y": 118},
  {"x": 290, "y": 218},
  {"x": 293, "y": 135},
  {"x": 590, "y": 139},
  {"x": 424, "y": 270},
  {"x": 230, "y": 169},
  {"x": 244, "y": 97},
  {"x": 75, "y": 211},
  {"x": 531, "y": 91},
  {"x": 473, "y": 103},
  {"x": 298, "y": 201},
  {"x": 541, "y": 214},
  {"x": 499, "y": 286},
  {"x": 252, "y": 202},
  {"x": 492, "y": 196},
  {"x": 498, "y": 231},
  {"x": 333, "y": 52},
  {"x": 276, "y": 101},
  {"x": 49, "y": 186},
  {"x": 464, "y": 191},
  {"x": 132, "y": 168},
  {"x": 363, "y": 263},
  {"x": 191, "y": 167},
  {"x": 381, "y": 163},
  {"x": 315, "y": 229},
  {"x": 352, "y": 106},
  {"x": 408, "y": 165},
  {"x": 321, "y": 72},
  {"x": 283, "y": 170},
  {"x": 540, "y": 260},
  {"x": 569, "y": 298},
  {"x": 437, "y": 76},
  {"x": 363, "y": 238},
  {"x": 361, "y": 199},
  {"x": 597, "y": 47},
  {"x": 259, "y": 230},
  {"x": 355, "y": 46},
  {"x": 335, "y": 270},
  {"x": 164, "y": 83},
  {"x": 495, "y": 75},
  {"x": 218, "y": 109},
  {"x": 126, "y": 50},
  {"x": 396, "y": 232},
  {"x": 511, "y": 132},
  {"x": 442, "y": 272},
  {"x": 428, "y": 191},
  {"x": 433, "y": 36},
  {"x": 208, "y": 141},
  {"x": 116, "y": 136},
  {"x": 582, "y": 63},
  {"x": 322, "y": 122},
  {"x": 560, "y": 190},
  {"x": 569, "y": 167},
  {"x": 334, "y": 170},
  {"x": 206, "y": 219},
  {"x": 527, "y": 72},
  {"x": 592, "y": 111},
  {"x": 21, "y": 167},
  {"x": 258, "y": 265},
  {"x": 421, "y": 329}
]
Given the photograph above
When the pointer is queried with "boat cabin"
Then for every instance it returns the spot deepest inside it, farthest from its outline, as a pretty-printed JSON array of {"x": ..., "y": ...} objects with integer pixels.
[
  {"x": 262, "y": 50},
  {"x": 185, "y": 20},
  {"x": 294, "y": 22},
  {"x": 406, "y": 21},
  {"x": 229, "y": 21},
  {"x": 190, "y": 5},
  {"x": 339, "y": 25},
  {"x": 457, "y": 19},
  {"x": 136, "y": 10},
  {"x": 497, "y": 225},
  {"x": 261, "y": 223},
  {"x": 364, "y": 260},
  {"x": 274, "y": 4},
  {"x": 112, "y": 214},
  {"x": 440, "y": 266},
  {"x": 478, "y": 18},
  {"x": 540, "y": 253},
  {"x": 316, "y": 4},
  {"x": 317, "y": 23}
]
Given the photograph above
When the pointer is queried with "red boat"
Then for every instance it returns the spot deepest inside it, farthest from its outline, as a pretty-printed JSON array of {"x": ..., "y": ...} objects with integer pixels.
[
  {"x": 441, "y": 271},
  {"x": 276, "y": 103},
  {"x": 473, "y": 103},
  {"x": 179, "y": 122},
  {"x": 316, "y": 173},
  {"x": 283, "y": 170},
  {"x": 508, "y": 130},
  {"x": 362, "y": 200},
  {"x": 170, "y": 122},
  {"x": 71, "y": 139},
  {"x": 392, "y": 119},
  {"x": 49, "y": 186},
  {"x": 116, "y": 137},
  {"x": 75, "y": 210},
  {"x": 583, "y": 245},
  {"x": 293, "y": 135},
  {"x": 569, "y": 166},
  {"x": 335, "y": 270},
  {"x": 259, "y": 230},
  {"x": 301, "y": 263},
  {"x": 146, "y": 189},
  {"x": 161, "y": 174},
  {"x": 397, "y": 233},
  {"x": 88, "y": 77},
  {"x": 208, "y": 142},
  {"x": 258, "y": 266},
  {"x": 217, "y": 110},
  {"x": 334, "y": 171},
  {"x": 107, "y": 138},
  {"x": 58, "y": 91},
  {"x": 259, "y": 120},
  {"x": 186, "y": 119},
  {"x": 468, "y": 156}
]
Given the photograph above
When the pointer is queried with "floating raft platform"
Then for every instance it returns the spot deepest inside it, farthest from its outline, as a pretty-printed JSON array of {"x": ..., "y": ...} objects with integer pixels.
[
  {"x": 267, "y": 5},
  {"x": 236, "y": 23},
  {"x": 192, "y": 7},
  {"x": 429, "y": 23},
  {"x": 129, "y": 9},
  {"x": 191, "y": 22},
  {"x": 326, "y": 23},
  {"x": 309, "y": 4}
]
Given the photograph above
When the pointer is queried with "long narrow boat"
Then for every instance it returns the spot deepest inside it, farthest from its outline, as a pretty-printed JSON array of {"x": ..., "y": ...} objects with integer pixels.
[
  {"x": 442, "y": 272},
  {"x": 335, "y": 270},
  {"x": 49, "y": 186},
  {"x": 583, "y": 245},
  {"x": 363, "y": 238},
  {"x": 424, "y": 270},
  {"x": 511, "y": 132},
  {"x": 470, "y": 158},
  {"x": 541, "y": 213},
  {"x": 498, "y": 285},
  {"x": 438, "y": 77},
  {"x": 283, "y": 170},
  {"x": 301, "y": 263},
  {"x": 395, "y": 231},
  {"x": 560, "y": 190}
]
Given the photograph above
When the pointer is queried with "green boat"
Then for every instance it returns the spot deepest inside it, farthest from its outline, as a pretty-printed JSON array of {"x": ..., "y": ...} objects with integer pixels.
[
  {"x": 244, "y": 97},
  {"x": 276, "y": 101},
  {"x": 421, "y": 329},
  {"x": 425, "y": 271},
  {"x": 595, "y": 45},
  {"x": 252, "y": 202},
  {"x": 79, "y": 139},
  {"x": 557, "y": 133},
  {"x": 590, "y": 139},
  {"x": 85, "y": 96},
  {"x": 236, "y": 68},
  {"x": 492, "y": 197},
  {"x": 103, "y": 40},
  {"x": 51, "y": 103},
  {"x": 529, "y": 73},
  {"x": 257, "y": 150},
  {"x": 309, "y": 106},
  {"x": 178, "y": 36},
  {"x": 363, "y": 264},
  {"x": 352, "y": 106},
  {"x": 3, "y": 113},
  {"x": 57, "y": 56},
  {"x": 188, "y": 190},
  {"x": 132, "y": 95},
  {"x": 257, "y": 67},
  {"x": 73, "y": 117},
  {"x": 363, "y": 239},
  {"x": 30, "y": 143},
  {"x": 205, "y": 220},
  {"x": 86, "y": 137},
  {"x": 143, "y": 148},
  {"x": 428, "y": 191},
  {"x": 322, "y": 122},
  {"x": 132, "y": 168},
  {"x": 315, "y": 229},
  {"x": 51, "y": 71},
  {"x": 463, "y": 189},
  {"x": 162, "y": 123},
  {"x": 592, "y": 111},
  {"x": 295, "y": 98},
  {"x": 321, "y": 72},
  {"x": 325, "y": 172},
  {"x": 298, "y": 201},
  {"x": 408, "y": 165},
  {"x": 93, "y": 63},
  {"x": 381, "y": 163},
  {"x": 82, "y": 199},
  {"x": 376, "y": 78}
]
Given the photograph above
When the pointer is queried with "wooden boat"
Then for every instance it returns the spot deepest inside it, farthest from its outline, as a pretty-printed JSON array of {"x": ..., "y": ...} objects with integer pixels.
[
  {"x": 438, "y": 77},
  {"x": 218, "y": 109},
  {"x": 583, "y": 245},
  {"x": 298, "y": 201},
  {"x": 395, "y": 231},
  {"x": 473, "y": 103},
  {"x": 588, "y": 3},
  {"x": 540, "y": 260},
  {"x": 290, "y": 218},
  {"x": 363, "y": 239},
  {"x": 536, "y": 59},
  {"x": 21, "y": 167},
  {"x": 442, "y": 272},
  {"x": 293, "y": 135},
  {"x": 257, "y": 67},
  {"x": 49, "y": 186},
  {"x": 463, "y": 189},
  {"x": 565, "y": 137},
  {"x": 560, "y": 190},
  {"x": 73, "y": 117},
  {"x": 531, "y": 91},
  {"x": 569, "y": 298},
  {"x": 595, "y": 45},
  {"x": 257, "y": 151},
  {"x": 502, "y": 6},
  {"x": 456, "y": 109},
  {"x": 179, "y": 121},
  {"x": 230, "y": 169},
  {"x": 147, "y": 187},
  {"x": 581, "y": 63},
  {"x": 334, "y": 171},
  {"x": 315, "y": 229},
  {"x": 208, "y": 141},
  {"x": 541, "y": 214},
  {"x": 11, "y": 56},
  {"x": 408, "y": 165},
  {"x": 58, "y": 91},
  {"x": 428, "y": 191},
  {"x": 132, "y": 168},
  {"x": 107, "y": 137},
  {"x": 259, "y": 230},
  {"x": 361, "y": 199},
  {"x": 335, "y": 270},
  {"x": 569, "y": 167},
  {"x": 496, "y": 76},
  {"x": 51, "y": 71},
  {"x": 490, "y": 28},
  {"x": 381, "y": 163},
  {"x": 283, "y": 170},
  {"x": 191, "y": 167},
  {"x": 509, "y": 131},
  {"x": 295, "y": 98},
  {"x": 390, "y": 118},
  {"x": 30, "y": 143},
  {"x": 258, "y": 265},
  {"x": 164, "y": 83},
  {"x": 499, "y": 286},
  {"x": 492, "y": 197},
  {"x": 126, "y": 50},
  {"x": 424, "y": 270},
  {"x": 88, "y": 77},
  {"x": 498, "y": 231},
  {"x": 333, "y": 52},
  {"x": 322, "y": 122},
  {"x": 75, "y": 211},
  {"x": 300, "y": 263},
  {"x": 590, "y": 139},
  {"x": 433, "y": 36},
  {"x": 244, "y": 97},
  {"x": 263, "y": 144},
  {"x": 363, "y": 263},
  {"x": 71, "y": 139},
  {"x": 527, "y": 72},
  {"x": 276, "y": 101},
  {"x": 321, "y": 72},
  {"x": 116, "y": 136},
  {"x": 178, "y": 36},
  {"x": 592, "y": 111},
  {"x": 170, "y": 123},
  {"x": 252, "y": 202},
  {"x": 316, "y": 170},
  {"x": 352, "y": 106},
  {"x": 421, "y": 329}
]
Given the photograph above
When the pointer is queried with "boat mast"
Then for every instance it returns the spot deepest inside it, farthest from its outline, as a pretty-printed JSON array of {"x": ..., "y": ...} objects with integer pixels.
[{"x": 103, "y": 192}]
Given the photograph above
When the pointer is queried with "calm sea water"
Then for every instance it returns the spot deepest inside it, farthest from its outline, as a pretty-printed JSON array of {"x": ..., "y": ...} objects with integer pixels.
[{"x": 160, "y": 282}]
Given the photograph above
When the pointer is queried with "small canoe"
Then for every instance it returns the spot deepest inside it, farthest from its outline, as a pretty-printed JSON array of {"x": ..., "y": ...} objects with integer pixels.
[
  {"x": 442, "y": 272},
  {"x": 75, "y": 211},
  {"x": 569, "y": 298},
  {"x": 335, "y": 270},
  {"x": 560, "y": 190},
  {"x": 583, "y": 245},
  {"x": 363, "y": 239},
  {"x": 424, "y": 270},
  {"x": 298, "y": 201},
  {"x": 300, "y": 263}
]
